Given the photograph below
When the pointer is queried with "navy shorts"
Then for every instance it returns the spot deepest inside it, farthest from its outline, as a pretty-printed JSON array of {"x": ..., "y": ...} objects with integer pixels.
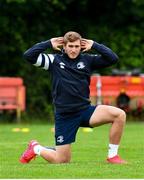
[{"x": 67, "y": 125}]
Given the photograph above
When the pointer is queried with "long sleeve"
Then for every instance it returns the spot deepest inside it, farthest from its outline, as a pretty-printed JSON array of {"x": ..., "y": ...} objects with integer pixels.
[
  {"x": 36, "y": 56},
  {"x": 105, "y": 58},
  {"x": 32, "y": 53}
]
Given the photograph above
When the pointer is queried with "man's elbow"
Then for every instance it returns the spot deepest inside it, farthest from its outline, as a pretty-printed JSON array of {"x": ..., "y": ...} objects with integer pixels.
[
  {"x": 26, "y": 55},
  {"x": 115, "y": 58}
]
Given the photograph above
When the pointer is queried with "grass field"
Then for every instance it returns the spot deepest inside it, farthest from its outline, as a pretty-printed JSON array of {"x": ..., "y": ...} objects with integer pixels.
[{"x": 88, "y": 157}]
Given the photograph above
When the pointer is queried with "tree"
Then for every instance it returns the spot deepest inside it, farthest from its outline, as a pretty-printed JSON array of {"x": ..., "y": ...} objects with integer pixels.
[{"x": 118, "y": 24}]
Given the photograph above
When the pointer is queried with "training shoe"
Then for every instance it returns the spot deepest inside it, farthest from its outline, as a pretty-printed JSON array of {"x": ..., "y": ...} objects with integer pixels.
[
  {"x": 29, "y": 154},
  {"x": 116, "y": 160}
]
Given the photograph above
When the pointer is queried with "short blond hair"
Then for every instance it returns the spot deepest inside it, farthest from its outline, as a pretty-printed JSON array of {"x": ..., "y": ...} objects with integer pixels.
[{"x": 71, "y": 36}]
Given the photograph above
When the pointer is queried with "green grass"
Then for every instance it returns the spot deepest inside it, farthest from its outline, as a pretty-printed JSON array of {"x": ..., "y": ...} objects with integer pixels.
[{"x": 88, "y": 154}]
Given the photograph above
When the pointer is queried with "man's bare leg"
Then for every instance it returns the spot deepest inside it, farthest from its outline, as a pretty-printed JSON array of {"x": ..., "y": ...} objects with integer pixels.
[
  {"x": 104, "y": 114},
  {"x": 62, "y": 154}
]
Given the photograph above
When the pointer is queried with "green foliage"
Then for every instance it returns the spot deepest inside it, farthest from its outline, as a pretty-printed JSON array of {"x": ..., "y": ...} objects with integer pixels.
[{"x": 118, "y": 24}]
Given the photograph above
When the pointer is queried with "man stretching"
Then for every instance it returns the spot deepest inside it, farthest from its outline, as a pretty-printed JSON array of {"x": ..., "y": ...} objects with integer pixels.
[{"x": 71, "y": 70}]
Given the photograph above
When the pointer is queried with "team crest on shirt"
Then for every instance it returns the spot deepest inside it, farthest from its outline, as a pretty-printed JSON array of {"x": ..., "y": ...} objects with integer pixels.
[{"x": 80, "y": 65}]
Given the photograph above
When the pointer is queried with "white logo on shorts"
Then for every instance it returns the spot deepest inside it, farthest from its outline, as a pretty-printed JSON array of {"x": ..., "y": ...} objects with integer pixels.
[{"x": 60, "y": 139}]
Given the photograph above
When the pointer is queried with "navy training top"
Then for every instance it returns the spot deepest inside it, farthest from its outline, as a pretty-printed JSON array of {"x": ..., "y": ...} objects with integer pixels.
[{"x": 70, "y": 77}]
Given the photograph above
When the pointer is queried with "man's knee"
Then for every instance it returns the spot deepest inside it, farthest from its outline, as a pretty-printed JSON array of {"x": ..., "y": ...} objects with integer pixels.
[
  {"x": 122, "y": 116},
  {"x": 64, "y": 160},
  {"x": 63, "y": 153}
]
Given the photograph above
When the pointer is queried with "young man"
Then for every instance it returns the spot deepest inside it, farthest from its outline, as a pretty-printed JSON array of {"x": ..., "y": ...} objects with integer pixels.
[{"x": 71, "y": 70}]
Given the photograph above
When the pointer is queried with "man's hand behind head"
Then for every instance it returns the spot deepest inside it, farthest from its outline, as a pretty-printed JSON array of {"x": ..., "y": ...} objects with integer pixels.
[
  {"x": 86, "y": 44},
  {"x": 57, "y": 43}
]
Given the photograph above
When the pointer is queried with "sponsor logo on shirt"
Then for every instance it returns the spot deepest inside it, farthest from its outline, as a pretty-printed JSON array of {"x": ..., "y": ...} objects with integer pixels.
[{"x": 62, "y": 65}]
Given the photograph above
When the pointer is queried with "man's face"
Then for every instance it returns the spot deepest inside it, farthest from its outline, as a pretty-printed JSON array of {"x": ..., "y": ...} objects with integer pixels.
[{"x": 72, "y": 49}]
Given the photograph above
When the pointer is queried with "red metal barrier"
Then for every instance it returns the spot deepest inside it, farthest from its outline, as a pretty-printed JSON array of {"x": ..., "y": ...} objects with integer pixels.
[
  {"x": 12, "y": 95},
  {"x": 126, "y": 90}
]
